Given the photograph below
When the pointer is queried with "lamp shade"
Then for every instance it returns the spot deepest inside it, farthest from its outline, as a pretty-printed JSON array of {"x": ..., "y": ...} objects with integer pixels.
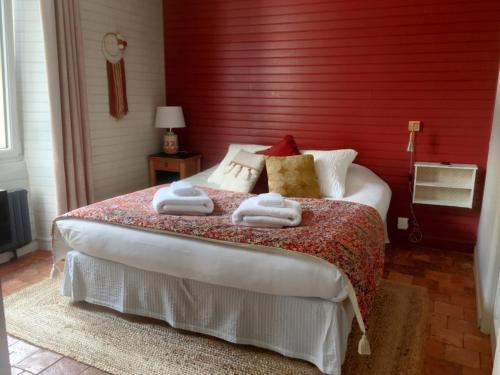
[{"x": 169, "y": 117}]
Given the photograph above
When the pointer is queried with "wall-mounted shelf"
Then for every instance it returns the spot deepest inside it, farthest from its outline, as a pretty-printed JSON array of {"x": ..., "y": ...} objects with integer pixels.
[{"x": 443, "y": 184}]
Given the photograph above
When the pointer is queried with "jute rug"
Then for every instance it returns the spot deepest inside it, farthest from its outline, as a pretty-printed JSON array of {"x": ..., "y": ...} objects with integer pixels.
[{"x": 123, "y": 344}]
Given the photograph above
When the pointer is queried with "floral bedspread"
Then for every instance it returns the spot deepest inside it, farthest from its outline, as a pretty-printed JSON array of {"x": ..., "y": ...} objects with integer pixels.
[{"x": 348, "y": 235}]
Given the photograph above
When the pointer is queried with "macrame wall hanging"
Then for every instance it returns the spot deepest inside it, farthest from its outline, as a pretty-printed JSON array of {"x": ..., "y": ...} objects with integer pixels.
[{"x": 113, "y": 49}]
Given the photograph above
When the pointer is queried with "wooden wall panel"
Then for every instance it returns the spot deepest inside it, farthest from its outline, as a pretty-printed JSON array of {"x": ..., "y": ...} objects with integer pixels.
[
  {"x": 338, "y": 74},
  {"x": 120, "y": 147}
]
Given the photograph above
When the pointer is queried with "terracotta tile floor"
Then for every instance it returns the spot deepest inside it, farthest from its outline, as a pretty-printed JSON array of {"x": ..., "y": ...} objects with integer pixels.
[
  {"x": 454, "y": 345},
  {"x": 25, "y": 358}
]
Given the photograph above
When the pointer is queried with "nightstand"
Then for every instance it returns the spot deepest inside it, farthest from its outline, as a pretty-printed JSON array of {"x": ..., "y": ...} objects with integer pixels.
[
  {"x": 444, "y": 184},
  {"x": 165, "y": 168}
]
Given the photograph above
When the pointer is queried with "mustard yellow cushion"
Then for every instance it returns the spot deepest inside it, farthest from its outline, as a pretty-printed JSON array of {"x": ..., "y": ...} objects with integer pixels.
[{"x": 293, "y": 176}]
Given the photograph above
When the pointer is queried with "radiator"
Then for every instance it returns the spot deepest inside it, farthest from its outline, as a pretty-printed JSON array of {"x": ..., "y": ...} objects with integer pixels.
[{"x": 15, "y": 228}]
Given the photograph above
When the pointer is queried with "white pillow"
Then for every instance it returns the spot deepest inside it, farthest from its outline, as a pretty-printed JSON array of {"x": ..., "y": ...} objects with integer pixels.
[
  {"x": 218, "y": 175},
  {"x": 331, "y": 170},
  {"x": 243, "y": 172}
]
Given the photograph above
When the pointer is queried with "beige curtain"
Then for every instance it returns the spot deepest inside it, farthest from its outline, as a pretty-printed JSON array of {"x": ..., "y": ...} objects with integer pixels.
[{"x": 68, "y": 103}]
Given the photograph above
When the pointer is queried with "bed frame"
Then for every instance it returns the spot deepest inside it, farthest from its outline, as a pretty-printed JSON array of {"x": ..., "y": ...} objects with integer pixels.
[{"x": 315, "y": 330}]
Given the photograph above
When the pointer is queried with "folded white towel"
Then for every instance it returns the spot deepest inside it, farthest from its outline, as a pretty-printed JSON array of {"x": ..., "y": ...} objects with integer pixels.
[
  {"x": 184, "y": 189},
  {"x": 271, "y": 199},
  {"x": 252, "y": 214},
  {"x": 166, "y": 202}
]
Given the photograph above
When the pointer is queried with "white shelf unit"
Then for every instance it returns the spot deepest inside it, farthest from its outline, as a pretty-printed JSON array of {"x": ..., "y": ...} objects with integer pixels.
[{"x": 444, "y": 184}]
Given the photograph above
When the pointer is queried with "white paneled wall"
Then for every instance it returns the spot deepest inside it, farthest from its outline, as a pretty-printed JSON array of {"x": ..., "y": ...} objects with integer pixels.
[
  {"x": 120, "y": 148},
  {"x": 34, "y": 115},
  {"x": 13, "y": 175}
]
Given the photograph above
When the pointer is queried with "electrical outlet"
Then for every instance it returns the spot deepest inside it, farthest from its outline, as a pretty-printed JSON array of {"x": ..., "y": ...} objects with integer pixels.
[
  {"x": 403, "y": 223},
  {"x": 414, "y": 126}
]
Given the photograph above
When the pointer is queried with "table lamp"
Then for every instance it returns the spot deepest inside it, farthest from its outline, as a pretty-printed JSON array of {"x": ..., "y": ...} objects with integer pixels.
[{"x": 170, "y": 117}]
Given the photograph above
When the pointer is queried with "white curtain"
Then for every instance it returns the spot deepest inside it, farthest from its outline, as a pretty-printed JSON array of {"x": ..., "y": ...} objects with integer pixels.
[
  {"x": 68, "y": 103},
  {"x": 496, "y": 312}
]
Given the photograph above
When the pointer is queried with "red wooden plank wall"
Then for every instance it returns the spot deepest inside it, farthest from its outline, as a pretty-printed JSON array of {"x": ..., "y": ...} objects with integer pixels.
[{"x": 338, "y": 74}]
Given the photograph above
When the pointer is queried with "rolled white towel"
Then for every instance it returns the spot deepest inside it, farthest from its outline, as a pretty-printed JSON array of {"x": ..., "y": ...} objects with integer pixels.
[
  {"x": 271, "y": 199},
  {"x": 250, "y": 213},
  {"x": 165, "y": 202},
  {"x": 184, "y": 189}
]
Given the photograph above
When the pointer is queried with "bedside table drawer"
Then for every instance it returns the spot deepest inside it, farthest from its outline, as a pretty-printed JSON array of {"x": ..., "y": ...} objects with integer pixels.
[
  {"x": 166, "y": 165},
  {"x": 162, "y": 165}
]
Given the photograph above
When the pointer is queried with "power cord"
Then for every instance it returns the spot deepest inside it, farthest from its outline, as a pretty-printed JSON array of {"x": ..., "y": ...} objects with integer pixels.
[{"x": 415, "y": 235}]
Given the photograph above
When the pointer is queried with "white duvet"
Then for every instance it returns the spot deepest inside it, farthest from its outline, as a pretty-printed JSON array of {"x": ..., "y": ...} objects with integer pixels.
[{"x": 263, "y": 270}]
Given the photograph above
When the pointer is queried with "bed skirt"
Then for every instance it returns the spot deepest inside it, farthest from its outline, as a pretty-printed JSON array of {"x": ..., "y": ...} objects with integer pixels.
[{"x": 311, "y": 329}]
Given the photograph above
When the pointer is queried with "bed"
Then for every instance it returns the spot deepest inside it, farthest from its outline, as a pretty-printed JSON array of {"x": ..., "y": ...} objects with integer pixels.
[{"x": 291, "y": 303}]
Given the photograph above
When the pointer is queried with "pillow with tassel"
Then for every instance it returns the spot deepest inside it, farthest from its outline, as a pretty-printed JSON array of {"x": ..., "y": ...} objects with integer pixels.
[{"x": 243, "y": 171}]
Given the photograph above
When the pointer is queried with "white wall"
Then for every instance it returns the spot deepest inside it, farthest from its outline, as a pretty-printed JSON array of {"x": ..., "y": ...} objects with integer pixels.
[
  {"x": 13, "y": 175},
  {"x": 487, "y": 256},
  {"x": 120, "y": 148},
  {"x": 34, "y": 114}
]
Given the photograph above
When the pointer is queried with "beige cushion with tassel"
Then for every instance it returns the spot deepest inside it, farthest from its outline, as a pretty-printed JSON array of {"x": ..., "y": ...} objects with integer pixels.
[{"x": 243, "y": 172}]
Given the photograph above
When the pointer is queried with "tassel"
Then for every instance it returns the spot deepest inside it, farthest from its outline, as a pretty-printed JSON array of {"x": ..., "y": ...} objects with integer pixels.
[
  {"x": 55, "y": 271},
  {"x": 229, "y": 168},
  {"x": 364, "y": 346},
  {"x": 239, "y": 171}
]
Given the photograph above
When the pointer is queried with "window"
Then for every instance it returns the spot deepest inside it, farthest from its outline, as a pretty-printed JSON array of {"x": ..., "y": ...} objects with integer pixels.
[
  {"x": 4, "y": 131},
  {"x": 9, "y": 140}
]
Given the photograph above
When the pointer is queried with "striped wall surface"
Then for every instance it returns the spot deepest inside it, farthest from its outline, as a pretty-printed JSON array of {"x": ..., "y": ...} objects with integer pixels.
[
  {"x": 120, "y": 148},
  {"x": 13, "y": 175},
  {"x": 34, "y": 116},
  {"x": 339, "y": 74}
]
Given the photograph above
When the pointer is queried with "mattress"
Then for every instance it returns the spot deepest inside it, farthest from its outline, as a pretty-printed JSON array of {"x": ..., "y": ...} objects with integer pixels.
[{"x": 262, "y": 270}]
